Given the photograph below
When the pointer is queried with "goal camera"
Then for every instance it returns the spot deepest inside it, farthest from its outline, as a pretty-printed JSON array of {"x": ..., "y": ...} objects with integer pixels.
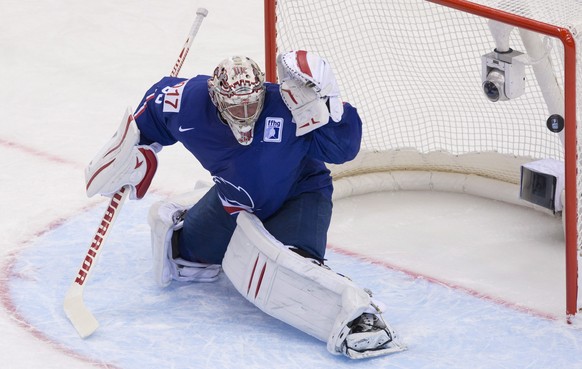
[{"x": 503, "y": 75}]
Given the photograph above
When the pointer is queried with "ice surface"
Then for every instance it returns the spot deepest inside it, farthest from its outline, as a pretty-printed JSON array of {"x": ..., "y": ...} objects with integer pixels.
[
  {"x": 69, "y": 69},
  {"x": 211, "y": 325}
]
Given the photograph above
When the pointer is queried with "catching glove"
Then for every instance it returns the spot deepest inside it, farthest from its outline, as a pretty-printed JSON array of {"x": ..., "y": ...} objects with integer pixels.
[{"x": 309, "y": 89}]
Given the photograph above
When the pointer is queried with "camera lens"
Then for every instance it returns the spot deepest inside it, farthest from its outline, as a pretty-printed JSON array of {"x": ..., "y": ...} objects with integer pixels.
[
  {"x": 493, "y": 86},
  {"x": 491, "y": 91}
]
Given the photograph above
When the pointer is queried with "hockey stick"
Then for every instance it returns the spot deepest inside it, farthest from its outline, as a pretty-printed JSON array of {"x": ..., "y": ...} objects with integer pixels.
[{"x": 74, "y": 305}]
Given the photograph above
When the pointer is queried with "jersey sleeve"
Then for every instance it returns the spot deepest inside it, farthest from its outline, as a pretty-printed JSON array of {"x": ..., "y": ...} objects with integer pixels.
[
  {"x": 336, "y": 143},
  {"x": 151, "y": 116}
]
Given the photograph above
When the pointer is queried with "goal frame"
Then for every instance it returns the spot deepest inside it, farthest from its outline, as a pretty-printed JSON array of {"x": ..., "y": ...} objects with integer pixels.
[{"x": 570, "y": 141}]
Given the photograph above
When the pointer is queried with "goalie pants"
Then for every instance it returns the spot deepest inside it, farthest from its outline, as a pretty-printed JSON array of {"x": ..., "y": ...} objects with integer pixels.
[{"x": 302, "y": 221}]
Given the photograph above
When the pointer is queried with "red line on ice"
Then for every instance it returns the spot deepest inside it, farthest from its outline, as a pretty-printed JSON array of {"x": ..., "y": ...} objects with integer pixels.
[
  {"x": 7, "y": 273},
  {"x": 38, "y": 153},
  {"x": 466, "y": 290}
]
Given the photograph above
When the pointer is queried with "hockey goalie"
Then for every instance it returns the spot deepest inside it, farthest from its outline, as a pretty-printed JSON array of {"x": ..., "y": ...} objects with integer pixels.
[{"x": 264, "y": 220}]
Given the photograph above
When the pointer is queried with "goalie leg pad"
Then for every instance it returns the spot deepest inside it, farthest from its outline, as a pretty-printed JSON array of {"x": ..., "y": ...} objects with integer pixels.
[
  {"x": 296, "y": 290},
  {"x": 164, "y": 219}
]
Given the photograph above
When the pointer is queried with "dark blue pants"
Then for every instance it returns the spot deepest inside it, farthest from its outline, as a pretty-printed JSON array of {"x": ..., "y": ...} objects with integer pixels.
[{"x": 302, "y": 222}]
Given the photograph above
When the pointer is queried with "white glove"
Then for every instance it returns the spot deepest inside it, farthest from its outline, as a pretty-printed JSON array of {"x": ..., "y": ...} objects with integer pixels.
[{"x": 308, "y": 87}]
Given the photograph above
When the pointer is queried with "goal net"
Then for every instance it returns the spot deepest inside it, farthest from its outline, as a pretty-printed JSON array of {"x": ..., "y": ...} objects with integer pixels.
[{"x": 418, "y": 70}]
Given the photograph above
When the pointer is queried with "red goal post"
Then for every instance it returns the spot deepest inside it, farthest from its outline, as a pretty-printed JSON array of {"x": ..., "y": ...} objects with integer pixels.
[{"x": 434, "y": 47}]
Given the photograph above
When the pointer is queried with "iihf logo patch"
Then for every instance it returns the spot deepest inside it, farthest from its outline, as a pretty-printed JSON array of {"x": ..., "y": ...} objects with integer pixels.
[{"x": 273, "y": 129}]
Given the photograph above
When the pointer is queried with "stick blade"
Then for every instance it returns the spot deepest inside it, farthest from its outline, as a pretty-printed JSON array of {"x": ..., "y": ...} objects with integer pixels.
[{"x": 81, "y": 318}]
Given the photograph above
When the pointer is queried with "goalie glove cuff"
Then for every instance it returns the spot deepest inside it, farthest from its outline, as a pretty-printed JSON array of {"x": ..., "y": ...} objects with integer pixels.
[{"x": 336, "y": 108}]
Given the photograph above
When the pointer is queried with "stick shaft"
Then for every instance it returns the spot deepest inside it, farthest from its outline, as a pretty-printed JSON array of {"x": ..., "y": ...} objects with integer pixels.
[
  {"x": 74, "y": 305},
  {"x": 80, "y": 316},
  {"x": 201, "y": 13}
]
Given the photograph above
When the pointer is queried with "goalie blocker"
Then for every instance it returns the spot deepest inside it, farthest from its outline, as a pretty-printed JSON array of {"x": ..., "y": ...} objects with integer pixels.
[{"x": 122, "y": 162}]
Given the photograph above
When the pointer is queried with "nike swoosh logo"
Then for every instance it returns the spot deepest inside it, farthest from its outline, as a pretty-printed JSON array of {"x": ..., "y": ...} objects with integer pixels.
[{"x": 184, "y": 129}]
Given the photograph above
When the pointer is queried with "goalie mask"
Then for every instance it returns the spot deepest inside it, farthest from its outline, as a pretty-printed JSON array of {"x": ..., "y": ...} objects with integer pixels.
[{"x": 238, "y": 92}]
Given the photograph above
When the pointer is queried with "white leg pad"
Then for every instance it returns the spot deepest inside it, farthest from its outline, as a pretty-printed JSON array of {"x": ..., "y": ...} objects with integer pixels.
[
  {"x": 163, "y": 222},
  {"x": 291, "y": 288}
]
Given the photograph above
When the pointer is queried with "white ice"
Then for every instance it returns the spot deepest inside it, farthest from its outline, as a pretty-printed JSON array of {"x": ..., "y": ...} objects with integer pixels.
[{"x": 469, "y": 283}]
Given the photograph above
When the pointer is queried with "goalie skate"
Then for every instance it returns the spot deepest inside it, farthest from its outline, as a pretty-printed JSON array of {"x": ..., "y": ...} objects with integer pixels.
[{"x": 370, "y": 336}]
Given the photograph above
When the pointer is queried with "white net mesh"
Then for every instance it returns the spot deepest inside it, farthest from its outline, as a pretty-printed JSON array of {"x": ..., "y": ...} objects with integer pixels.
[{"x": 413, "y": 70}]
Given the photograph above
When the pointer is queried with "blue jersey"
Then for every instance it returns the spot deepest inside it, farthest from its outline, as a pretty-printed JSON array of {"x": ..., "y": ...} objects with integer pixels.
[{"x": 258, "y": 177}]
